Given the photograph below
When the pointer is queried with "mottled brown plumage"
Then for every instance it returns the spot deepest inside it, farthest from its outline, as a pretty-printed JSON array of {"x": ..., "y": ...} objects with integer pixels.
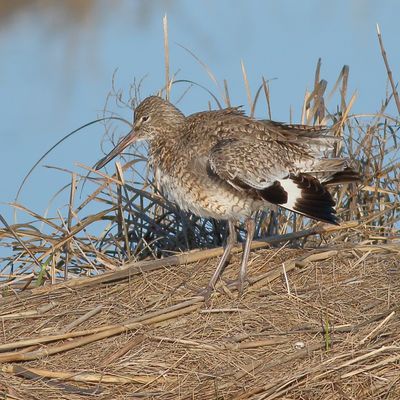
[{"x": 226, "y": 165}]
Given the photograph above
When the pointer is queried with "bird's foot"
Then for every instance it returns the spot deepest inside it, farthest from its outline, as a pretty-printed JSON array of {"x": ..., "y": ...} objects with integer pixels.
[
  {"x": 242, "y": 284},
  {"x": 239, "y": 284},
  {"x": 206, "y": 293}
]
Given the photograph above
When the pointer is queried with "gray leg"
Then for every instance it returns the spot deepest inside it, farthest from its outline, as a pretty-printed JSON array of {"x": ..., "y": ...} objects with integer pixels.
[
  {"x": 273, "y": 224},
  {"x": 230, "y": 243},
  {"x": 250, "y": 227}
]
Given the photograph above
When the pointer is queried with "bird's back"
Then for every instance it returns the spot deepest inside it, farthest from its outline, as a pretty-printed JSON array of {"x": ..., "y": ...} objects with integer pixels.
[{"x": 254, "y": 145}]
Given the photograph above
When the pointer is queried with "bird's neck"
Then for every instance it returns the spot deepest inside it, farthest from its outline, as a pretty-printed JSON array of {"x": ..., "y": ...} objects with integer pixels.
[{"x": 166, "y": 147}]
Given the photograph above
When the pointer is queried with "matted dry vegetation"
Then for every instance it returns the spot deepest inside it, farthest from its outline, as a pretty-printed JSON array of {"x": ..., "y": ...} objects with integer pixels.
[
  {"x": 101, "y": 300},
  {"x": 327, "y": 328}
]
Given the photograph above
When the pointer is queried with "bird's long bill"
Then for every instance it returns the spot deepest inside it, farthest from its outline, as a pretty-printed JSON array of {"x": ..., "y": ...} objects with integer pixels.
[{"x": 118, "y": 149}]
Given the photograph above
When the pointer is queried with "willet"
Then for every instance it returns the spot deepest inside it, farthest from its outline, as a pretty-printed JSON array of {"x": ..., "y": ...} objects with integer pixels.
[{"x": 226, "y": 165}]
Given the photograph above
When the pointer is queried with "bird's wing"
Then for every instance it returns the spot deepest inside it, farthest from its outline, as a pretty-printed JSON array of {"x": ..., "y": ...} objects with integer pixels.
[
  {"x": 253, "y": 162},
  {"x": 273, "y": 170}
]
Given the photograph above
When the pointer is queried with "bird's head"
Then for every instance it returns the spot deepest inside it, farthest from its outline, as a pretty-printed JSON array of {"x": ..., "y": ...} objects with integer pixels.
[{"x": 153, "y": 117}]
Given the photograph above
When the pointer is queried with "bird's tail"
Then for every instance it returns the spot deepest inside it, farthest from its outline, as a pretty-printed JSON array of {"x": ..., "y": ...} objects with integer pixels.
[
  {"x": 332, "y": 171},
  {"x": 348, "y": 175}
]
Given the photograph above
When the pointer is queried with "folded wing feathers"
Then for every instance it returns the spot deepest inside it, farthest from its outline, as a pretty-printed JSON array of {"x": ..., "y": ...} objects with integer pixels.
[{"x": 281, "y": 170}]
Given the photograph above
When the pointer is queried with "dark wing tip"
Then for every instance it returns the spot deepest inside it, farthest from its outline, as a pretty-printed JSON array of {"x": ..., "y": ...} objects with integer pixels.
[{"x": 315, "y": 201}]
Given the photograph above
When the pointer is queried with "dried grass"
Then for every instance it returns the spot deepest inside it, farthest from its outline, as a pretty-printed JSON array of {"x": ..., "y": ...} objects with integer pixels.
[{"x": 150, "y": 335}]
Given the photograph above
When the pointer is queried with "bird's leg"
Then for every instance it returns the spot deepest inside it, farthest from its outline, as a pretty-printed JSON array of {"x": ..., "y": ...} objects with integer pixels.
[
  {"x": 231, "y": 240},
  {"x": 250, "y": 227},
  {"x": 230, "y": 243},
  {"x": 273, "y": 224}
]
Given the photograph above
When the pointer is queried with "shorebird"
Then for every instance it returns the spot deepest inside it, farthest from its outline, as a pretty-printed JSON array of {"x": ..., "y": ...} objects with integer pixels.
[{"x": 226, "y": 165}]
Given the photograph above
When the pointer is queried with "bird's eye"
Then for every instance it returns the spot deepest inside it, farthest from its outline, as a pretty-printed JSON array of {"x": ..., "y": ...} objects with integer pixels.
[{"x": 145, "y": 118}]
